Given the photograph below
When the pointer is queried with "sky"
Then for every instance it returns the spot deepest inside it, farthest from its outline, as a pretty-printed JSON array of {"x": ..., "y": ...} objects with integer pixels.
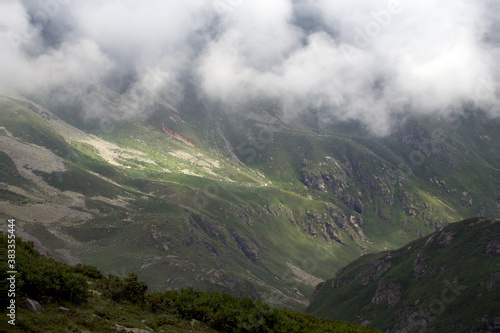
[{"x": 365, "y": 60}]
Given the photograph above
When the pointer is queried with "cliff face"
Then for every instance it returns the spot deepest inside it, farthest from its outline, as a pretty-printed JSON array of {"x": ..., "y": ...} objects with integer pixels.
[
  {"x": 363, "y": 186},
  {"x": 442, "y": 282}
]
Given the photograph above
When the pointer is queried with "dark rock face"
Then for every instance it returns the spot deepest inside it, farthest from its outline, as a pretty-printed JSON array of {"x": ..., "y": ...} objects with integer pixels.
[
  {"x": 419, "y": 265},
  {"x": 423, "y": 141},
  {"x": 343, "y": 179},
  {"x": 387, "y": 292},
  {"x": 491, "y": 247},
  {"x": 466, "y": 203},
  {"x": 376, "y": 269},
  {"x": 337, "y": 216},
  {"x": 246, "y": 245},
  {"x": 381, "y": 181},
  {"x": 408, "y": 320},
  {"x": 325, "y": 182},
  {"x": 312, "y": 180},
  {"x": 445, "y": 238},
  {"x": 354, "y": 204},
  {"x": 326, "y": 224},
  {"x": 490, "y": 242},
  {"x": 162, "y": 239}
]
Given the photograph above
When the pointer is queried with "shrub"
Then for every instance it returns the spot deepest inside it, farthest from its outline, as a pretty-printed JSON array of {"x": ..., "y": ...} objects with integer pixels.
[
  {"x": 228, "y": 313},
  {"x": 124, "y": 289},
  {"x": 43, "y": 278},
  {"x": 87, "y": 270}
]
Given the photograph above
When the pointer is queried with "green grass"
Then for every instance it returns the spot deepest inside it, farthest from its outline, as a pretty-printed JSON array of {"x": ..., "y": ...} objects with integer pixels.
[
  {"x": 353, "y": 300},
  {"x": 234, "y": 197},
  {"x": 123, "y": 301}
]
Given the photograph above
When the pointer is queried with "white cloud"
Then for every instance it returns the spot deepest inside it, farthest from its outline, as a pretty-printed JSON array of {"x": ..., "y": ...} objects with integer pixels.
[{"x": 363, "y": 59}]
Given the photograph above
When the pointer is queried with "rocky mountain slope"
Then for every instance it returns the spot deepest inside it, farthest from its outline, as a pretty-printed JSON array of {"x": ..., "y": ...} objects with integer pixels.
[
  {"x": 233, "y": 197},
  {"x": 443, "y": 282},
  {"x": 55, "y": 297}
]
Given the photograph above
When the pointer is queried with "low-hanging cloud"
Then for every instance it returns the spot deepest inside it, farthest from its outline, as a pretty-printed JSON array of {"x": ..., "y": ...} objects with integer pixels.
[{"x": 367, "y": 60}]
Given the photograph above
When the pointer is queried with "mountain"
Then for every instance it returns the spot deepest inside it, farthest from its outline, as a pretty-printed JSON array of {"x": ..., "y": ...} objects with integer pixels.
[
  {"x": 443, "y": 282},
  {"x": 234, "y": 197},
  {"x": 80, "y": 298}
]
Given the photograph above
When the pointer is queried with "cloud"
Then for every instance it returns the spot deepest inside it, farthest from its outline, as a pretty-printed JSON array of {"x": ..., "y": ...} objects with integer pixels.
[{"x": 368, "y": 60}]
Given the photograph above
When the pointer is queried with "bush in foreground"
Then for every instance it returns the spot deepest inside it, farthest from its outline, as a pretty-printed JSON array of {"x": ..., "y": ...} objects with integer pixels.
[{"x": 49, "y": 281}]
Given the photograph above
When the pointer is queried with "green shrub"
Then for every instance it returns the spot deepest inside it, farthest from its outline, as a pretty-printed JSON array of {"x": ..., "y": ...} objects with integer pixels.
[
  {"x": 45, "y": 279},
  {"x": 228, "y": 313},
  {"x": 89, "y": 271},
  {"x": 124, "y": 289}
]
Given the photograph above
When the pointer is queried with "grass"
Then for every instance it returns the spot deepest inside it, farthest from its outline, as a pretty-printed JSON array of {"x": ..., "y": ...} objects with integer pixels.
[
  {"x": 444, "y": 262},
  {"x": 233, "y": 197},
  {"x": 99, "y": 303}
]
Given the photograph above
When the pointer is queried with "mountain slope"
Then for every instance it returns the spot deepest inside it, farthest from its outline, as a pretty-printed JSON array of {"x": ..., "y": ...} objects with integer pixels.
[
  {"x": 81, "y": 299},
  {"x": 201, "y": 196},
  {"x": 442, "y": 282}
]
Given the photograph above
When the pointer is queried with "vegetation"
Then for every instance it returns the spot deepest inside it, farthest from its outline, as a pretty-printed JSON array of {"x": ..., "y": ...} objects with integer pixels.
[
  {"x": 125, "y": 302},
  {"x": 49, "y": 280},
  {"x": 130, "y": 198},
  {"x": 442, "y": 282}
]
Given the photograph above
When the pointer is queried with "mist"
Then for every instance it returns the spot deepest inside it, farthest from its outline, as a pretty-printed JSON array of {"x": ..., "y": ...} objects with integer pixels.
[{"x": 365, "y": 60}]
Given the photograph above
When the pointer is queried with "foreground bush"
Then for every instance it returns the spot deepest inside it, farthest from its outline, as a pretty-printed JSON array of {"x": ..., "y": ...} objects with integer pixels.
[
  {"x": 46, "y": 279},
  {"x": 124, "y": 289},
  {"x": 228, "y": 313},
  {"x": 49, "y": 281}
]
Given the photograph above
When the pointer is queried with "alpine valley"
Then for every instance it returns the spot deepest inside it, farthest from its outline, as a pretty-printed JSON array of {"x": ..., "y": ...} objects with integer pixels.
[{"x": 234, "y": 197}]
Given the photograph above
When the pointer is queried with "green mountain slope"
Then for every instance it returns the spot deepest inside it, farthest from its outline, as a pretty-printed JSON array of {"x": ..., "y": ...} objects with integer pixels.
[
  {"x": 81, "y": 299},
  {"x": 202, "y": 196},
  {"x": 443, "y": 282}
]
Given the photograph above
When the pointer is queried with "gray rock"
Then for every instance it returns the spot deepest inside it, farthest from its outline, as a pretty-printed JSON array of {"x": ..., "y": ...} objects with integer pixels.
[
  {"x": 491, "y": 247},
  {"x": 419, "y": 265},
  {"x": 387, "y": 292},
  {"x": 33, "y": 305},
  {"x": 246, "y": 245},
  {"x": 120, "y": 328},
  {"x": 64, "y": 310},
  {"x": 376, "y": 269}
]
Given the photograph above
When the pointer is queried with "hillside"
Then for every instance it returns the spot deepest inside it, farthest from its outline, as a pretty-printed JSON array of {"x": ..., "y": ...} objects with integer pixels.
[
  {"x": 243, "y": 202},
  {"x": 444, "y": 282},
  {"x": 81, "y": 299}
]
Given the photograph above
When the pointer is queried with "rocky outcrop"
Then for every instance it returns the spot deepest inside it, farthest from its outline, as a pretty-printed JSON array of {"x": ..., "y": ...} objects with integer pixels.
[
  {"x": 421, "y": 140},
  {"x": 354, "y": 204},
  {"x": 419, "y": 265},
  {"x": 445, "y": 238},
  {"x": 356, "y": 223},
  {"x": 33, "y": 305},
  {"x": 312, "y": 180},
  {"x": 326, "y": 182},
  {"x": 162, "y": 239},
  {"x": 337, "y": 216},
  {"x": 381, "y": 181},
  {"x": 342, "y": 180},
  {"x": 326, "y": 224},
  {"x": 246, "y": 245},
  {"x": 408, "y": 320},
  {"x": 387, "y": 292},
  {"x": 123, "y": 329},
  {"x": 376, "y": 269}
]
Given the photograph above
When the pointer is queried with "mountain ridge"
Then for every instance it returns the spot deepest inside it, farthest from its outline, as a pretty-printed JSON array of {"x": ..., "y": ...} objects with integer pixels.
[
  {"x": 443, "y": 281},
  {"x": 126, "y": 197}
]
